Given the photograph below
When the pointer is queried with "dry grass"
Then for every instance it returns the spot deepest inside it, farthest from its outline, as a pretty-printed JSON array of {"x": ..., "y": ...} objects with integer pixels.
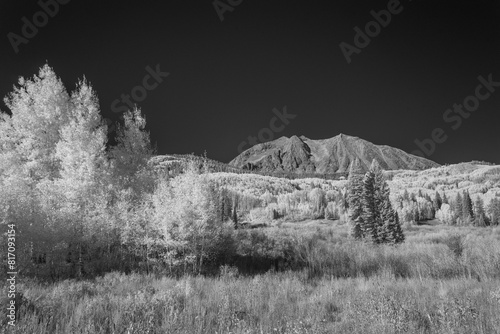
[
  {"x": 269, "y": 303},
  {"x": 442, "y": 280},
  {"x": 435, "y": 251}
]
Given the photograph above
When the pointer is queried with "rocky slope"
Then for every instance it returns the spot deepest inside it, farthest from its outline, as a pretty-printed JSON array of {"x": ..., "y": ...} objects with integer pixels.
[{"x": 334, "y": 155}]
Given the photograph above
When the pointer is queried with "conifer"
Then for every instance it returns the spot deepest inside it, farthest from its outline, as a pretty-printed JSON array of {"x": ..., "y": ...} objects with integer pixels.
[
  {"x": 354, "y": 194},
  {"x": 370, "y": 222},
  {"x": 437, "y": 202},
  {"x": 467, "y": 212}
]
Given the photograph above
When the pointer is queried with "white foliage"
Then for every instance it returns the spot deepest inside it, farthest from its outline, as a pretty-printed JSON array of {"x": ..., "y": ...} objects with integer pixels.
[
  {"x": 445, "y": 214},
  {"x": 81, "y": 149},
  {"x": 39, "y": 107},
  {"x": 185, "y": 211}
]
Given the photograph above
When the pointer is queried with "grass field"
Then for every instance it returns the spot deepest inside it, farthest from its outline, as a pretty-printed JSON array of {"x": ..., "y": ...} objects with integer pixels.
[{"x": 441, "y": 280}]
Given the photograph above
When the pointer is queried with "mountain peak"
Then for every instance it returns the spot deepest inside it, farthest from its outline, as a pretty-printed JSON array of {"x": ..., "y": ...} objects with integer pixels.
[
  {"x": 333, "y": 155},
  {"x": 344, "y": 136}
]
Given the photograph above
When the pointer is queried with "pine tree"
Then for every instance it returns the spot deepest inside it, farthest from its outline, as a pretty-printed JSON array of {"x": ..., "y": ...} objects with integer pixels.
[
  {"x": 467, "y": 213},
  {"x": 235, "y": 205},
  {"x": 437, "y": 202},
  {"x": 480, "y": 215},
  {"x": 445, "y": 199},
  {"x": 235, "y": 216},
  {"x": 398, "y": 233},
  {"x": 371, "y": 206},
  {"x": 494, "y": 211},
  {"x": 406, "y": 195},
  {"x": 457, "y": 207},
  {"x": 383, "y": 205},
  {"x": 388, "y": 227},
  {"x": 354, "y": 194},
  {"x": 224, "y": 208},
  {"x": 388, "y": 217}
]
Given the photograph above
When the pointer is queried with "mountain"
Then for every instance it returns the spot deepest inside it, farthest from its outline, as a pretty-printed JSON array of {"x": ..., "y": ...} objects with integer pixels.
[{"x": 326, "y": 156}]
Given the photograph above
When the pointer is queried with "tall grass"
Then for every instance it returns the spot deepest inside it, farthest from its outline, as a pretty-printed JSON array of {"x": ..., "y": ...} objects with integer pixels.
[
  {"x": 268, "y": 303},
  {"x": 470, "y": 253},
  {"x": 309, "y": 280}
]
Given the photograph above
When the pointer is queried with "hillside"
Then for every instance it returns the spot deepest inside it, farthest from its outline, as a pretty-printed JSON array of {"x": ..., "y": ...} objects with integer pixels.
[
  {"x": 326, "y": 156},
  {"x": 479, "y": 180}
]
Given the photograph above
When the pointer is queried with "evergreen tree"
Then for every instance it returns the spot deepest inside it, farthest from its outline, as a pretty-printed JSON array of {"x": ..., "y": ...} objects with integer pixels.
[
  {"x": 235, "y": 214},
  {"x": 354, "y": 194},
  {"x": 389, "y": 228},
  {"x": 224, "y": 209},
  {"x": 467, "y": 212},
  {"x": 445, "y": 199},
  {"x": 480, "y": 215},
  {"x": 406, "y": 195},
  {"x": 457, "y": 207},
  {"x": 370, "y": 222},
  {"x": 398, "y": 233},
  {"x": 494, "y": 211},
  {"x": 437, "y": 202},
  {"x": 383, "y": 205},
  {"x": 388, "y": 215}
]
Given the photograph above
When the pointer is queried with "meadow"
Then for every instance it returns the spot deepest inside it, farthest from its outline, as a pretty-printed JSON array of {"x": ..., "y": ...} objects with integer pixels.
[{"x": 441, "y": 280}]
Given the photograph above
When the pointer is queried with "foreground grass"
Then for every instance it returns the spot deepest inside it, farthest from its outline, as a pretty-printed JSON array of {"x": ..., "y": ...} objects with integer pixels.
[
  {"x": 269, "y": 303},
  {"x": 441, "y": 280}
]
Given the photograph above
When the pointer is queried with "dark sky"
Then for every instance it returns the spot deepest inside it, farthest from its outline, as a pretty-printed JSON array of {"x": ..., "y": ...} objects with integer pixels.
[{"x": 227, "y": 76}]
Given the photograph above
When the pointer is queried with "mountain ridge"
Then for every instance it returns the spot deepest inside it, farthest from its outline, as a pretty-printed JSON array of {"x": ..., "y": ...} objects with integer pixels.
[{"x": 331, "y": 155}]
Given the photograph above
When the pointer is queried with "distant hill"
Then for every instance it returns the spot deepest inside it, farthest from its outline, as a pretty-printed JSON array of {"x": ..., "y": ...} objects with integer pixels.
[
  {"x": 301, "y": 155},
  {"x": 173, "y": 164}
]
